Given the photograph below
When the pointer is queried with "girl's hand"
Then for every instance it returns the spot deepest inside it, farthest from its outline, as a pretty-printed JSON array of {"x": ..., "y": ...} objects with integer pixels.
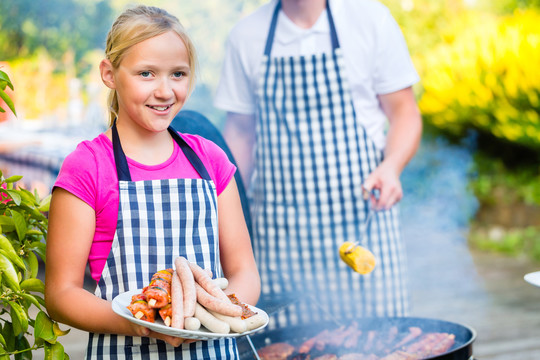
[{"x": 384, "y": 178}]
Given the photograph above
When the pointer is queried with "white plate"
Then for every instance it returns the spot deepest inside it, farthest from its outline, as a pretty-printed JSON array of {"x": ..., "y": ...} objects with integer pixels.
[
  {"x": 533, "y": 278},
  {"x": 120, "y": 303}
]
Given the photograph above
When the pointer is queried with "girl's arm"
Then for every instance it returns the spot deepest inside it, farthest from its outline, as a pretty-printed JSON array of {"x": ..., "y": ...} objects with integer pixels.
[
  {"x": 71, "y": 230},
  {"x": 235, "y": 247}
]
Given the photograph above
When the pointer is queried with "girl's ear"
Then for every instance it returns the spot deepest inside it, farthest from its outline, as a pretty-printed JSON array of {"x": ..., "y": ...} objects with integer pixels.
[{"x": 107, "y": 73}]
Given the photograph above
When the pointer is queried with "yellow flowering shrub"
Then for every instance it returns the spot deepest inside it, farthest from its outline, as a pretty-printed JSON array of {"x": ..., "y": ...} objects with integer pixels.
[
  {"x": 486, "y": 75},
  {"x": 41, "y": 90}
]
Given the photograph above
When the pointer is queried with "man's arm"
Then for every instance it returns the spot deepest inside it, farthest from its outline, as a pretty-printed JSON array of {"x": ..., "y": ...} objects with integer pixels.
[
  {"x": 402, "y": 142},
  {"x": 239, "y": 133}
]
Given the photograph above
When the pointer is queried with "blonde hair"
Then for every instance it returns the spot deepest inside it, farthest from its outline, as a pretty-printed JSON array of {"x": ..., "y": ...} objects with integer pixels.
[{"x": 136, "y": 25}]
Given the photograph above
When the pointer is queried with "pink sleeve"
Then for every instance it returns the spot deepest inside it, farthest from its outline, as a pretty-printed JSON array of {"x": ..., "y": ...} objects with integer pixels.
[{"x": 78, "y": 175}]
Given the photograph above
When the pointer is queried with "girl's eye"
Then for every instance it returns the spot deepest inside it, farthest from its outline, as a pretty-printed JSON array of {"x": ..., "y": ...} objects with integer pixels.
[
  {"x": 145, "y": 74},
  {"x": 179, "y": 74}
]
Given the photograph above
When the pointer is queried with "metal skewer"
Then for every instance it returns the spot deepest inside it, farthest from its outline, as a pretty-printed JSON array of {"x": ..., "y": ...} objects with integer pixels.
[{"x": 366, "y": 194}]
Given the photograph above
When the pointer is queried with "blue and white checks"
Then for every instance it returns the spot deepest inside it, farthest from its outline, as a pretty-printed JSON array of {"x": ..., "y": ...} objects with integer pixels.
[
  {"x": 312, "y": 158},
  {"x": 159, "y": 220}
]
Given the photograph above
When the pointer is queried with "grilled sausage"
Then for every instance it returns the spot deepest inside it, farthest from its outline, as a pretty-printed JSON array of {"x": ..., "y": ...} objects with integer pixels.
[
  {"x": 236, "y": 323},
  {"x": 210, "y": 322},
  {"x": 255, "y": 321},
  {"x": 202, "y": 278},
  {"x": 213, "y": 303},
  {"x": 192, "y": 323},
  {"x": 188, "y": 285},
  {"x": 222, "y": 283},
  {"x": 177, "y": 303}
]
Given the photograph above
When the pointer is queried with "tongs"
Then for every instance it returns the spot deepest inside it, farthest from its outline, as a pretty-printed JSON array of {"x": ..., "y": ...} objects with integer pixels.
[{"x": 357, "y": 257}]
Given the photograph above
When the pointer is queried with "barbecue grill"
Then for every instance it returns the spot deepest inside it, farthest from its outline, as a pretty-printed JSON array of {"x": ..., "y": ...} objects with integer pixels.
[{"x": 376, "y": 326}]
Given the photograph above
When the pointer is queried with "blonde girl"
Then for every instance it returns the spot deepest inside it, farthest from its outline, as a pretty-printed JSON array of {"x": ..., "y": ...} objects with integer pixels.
[{"x": 128, "y": 202}]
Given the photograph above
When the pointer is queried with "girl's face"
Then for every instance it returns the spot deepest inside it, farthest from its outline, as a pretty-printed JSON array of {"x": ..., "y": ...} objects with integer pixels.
[{"x": 152, "y": 82}]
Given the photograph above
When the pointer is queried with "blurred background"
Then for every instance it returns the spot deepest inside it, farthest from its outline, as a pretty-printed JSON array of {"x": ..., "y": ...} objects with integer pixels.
[
  {"x": 471, "y": 211},
  {"x": 480, "y": 90}
]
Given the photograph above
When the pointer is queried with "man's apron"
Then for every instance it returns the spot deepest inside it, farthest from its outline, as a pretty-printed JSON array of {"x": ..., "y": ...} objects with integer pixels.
[
  {"x": 312, "y": 158},
  {"x": 159, "y": 220}
]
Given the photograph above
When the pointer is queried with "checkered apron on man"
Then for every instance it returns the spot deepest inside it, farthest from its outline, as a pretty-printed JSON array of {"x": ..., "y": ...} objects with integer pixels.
[{"x": 312, "y": 158}]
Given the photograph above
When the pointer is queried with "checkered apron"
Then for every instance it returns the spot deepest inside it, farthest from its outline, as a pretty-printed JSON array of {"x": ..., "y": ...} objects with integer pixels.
[
  {"x": 159, "y": 220},
  {"x": 312, "y": 158}
]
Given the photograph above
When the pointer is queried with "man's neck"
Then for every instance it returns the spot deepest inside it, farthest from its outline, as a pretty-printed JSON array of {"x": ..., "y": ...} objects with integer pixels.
[{"x": 304, "y": 13}]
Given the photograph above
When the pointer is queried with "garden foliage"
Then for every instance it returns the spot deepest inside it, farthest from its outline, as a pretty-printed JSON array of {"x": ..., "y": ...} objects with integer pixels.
[
  {"x": 485, "y": 76},
  {"x": 23, "y": 228}
]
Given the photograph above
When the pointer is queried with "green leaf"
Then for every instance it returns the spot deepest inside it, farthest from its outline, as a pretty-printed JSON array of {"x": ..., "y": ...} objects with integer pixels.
[
  {"x": 40, "y": 300},
  {"x": 33, "y": 285},
  {"x": 5, "y": 220},
  {"x": 9, "y": 336},
  {"x": 19, "y": 318},
  {"x": 39, "y": 248},
  {"x": 14, "y": 196},
  {"x": 27, "y": 197},
  {"x": 10, "y": 252},
  {"x": 31, "y": 298},
  {"x": 3, "y": 354},
  {"x": 5, "y": 78},
  {"x": 33, "y": 264},
  {"x": 14, "y": 258},
  {"x": 22, "y": 344},
  {"x": 7, "y": 100},
  {"x": 9, "y": 274},
  {"x": 45, "y": 204},
  {"x": 54, "y": 351},
  {"x": 20, "y": 225},
  {"x": 3, "y": 341},
  {"x": 43, "y": 328},
  {"x": 13, "y": 178},
  {"x": 58, "y": 331}
]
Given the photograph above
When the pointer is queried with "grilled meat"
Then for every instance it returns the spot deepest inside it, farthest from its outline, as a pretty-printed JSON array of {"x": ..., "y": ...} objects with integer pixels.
[{"x": 277, "y": 351}]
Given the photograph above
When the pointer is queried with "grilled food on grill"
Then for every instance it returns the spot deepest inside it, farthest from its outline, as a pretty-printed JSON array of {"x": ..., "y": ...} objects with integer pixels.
[
  {"x": 351, "y": 343},
  {"x": 277, "y": 351}
]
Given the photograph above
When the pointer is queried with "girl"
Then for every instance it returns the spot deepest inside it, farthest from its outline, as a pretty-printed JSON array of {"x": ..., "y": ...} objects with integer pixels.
[{"x": 140, "y": 194}]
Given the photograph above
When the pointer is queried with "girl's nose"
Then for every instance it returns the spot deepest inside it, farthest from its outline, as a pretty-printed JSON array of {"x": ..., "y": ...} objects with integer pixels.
[{"x": 164, "y": 90}]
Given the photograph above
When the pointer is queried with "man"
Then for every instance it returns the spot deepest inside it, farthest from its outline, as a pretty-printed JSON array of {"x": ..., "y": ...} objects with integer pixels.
[{"x": 320, "y": 106}]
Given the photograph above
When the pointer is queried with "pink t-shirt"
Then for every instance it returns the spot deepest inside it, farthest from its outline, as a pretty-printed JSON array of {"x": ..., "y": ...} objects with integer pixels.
[{"x": 89, "y": 173}]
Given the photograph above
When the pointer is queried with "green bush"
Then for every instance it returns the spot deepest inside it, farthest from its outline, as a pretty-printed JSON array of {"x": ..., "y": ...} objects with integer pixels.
[{"x": 23, "y": 229}]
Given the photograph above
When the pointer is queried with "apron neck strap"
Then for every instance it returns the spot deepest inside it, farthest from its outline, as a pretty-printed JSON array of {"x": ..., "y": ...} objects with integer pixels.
[
  {"x": 122, "y": 168},
  {"x": 190, "y": 154},
  {"x": 273, "y": 24}
]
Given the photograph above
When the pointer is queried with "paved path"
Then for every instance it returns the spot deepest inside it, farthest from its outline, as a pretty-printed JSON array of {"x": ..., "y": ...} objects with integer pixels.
[{"x": 448, "y": 280}]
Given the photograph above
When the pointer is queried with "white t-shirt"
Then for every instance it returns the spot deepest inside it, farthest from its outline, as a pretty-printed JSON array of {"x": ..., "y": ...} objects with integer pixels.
[{"x": 377, "y": 60}]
